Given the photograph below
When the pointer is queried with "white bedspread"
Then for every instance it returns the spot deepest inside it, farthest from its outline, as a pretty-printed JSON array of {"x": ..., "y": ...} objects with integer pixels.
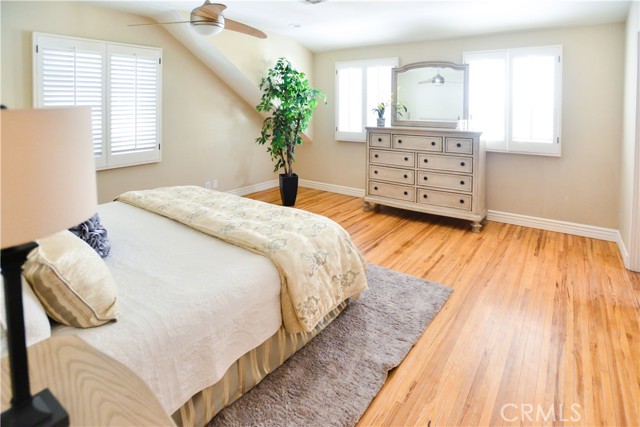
[{"x": 189, "y": 304}]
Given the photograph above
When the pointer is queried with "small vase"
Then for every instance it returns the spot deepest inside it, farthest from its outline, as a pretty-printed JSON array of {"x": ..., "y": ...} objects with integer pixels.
[{"x": 381, "y": 121}]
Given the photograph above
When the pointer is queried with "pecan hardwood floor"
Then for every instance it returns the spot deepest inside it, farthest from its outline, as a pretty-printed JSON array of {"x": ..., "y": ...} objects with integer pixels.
[{"x": 543, "y": 328}]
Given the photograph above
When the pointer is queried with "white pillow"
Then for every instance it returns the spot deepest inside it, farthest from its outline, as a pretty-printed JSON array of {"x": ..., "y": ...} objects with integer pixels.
[{"x": 36, "y": 322}]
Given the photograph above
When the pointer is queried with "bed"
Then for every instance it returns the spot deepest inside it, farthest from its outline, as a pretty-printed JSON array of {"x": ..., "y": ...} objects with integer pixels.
[{"x": 200, "y": 320}]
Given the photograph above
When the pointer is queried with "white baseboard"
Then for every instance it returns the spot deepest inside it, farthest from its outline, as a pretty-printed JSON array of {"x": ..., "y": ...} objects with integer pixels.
[
  {"x": 340, "y": 189},
  {"x": 315, "y": 185},
  {"x": 601, "y": 233},
  {"x": 593, "y": 232},
  {"x": 624, "y": 252},
  {"x": 254, "y": 188}
]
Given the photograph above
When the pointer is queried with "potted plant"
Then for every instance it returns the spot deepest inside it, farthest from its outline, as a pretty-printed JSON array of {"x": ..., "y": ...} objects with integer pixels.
[
  {"x": 380, "y": 109},
  {"x": 288, "y": 96}
]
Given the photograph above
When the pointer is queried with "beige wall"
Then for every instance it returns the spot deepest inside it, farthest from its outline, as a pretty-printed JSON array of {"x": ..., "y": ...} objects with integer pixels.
[
  {"x": 263, "y": 55},
  {"x": 629, "y": 139},
  {"x": 208, "y": 131},
  {"x": 582, "y": 186},
  {"x": 253, "y": 56}
]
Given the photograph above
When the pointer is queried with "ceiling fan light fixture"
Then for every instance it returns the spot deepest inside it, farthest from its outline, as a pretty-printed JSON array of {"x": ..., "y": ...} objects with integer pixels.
[
  {"x": 207, "y": 27},
  {"x": 438, "y": 80}
]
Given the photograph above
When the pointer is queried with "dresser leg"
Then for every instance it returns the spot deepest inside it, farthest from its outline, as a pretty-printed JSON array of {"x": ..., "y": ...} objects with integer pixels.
[
  {"x": 476, "y": 226},
  {"x": 371, "y": 207}
]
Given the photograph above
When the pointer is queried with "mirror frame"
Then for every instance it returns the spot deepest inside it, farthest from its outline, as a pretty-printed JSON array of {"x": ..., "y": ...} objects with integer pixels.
[{"x": 395, "y": 121}]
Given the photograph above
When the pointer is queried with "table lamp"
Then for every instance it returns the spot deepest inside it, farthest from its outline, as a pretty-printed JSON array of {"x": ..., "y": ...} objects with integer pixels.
[{"x": 48, "y": 184}]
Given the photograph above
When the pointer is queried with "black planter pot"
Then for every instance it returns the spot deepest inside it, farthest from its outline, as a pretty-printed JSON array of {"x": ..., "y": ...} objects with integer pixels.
[{"x": 288, "y": 189}]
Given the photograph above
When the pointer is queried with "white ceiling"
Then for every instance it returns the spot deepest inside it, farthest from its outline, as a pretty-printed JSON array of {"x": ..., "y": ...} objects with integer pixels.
[{"x": 339, "y": 24}]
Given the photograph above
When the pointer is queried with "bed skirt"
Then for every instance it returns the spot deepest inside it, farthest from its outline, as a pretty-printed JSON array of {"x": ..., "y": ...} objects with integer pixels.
[{"x": 247, "y": 372}]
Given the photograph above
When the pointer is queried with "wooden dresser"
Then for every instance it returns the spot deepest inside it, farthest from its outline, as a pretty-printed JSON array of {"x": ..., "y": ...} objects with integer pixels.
[{"x": 436, "y": 171}]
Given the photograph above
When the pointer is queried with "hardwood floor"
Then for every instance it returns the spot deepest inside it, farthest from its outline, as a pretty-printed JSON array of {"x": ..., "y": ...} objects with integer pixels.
[{"x": 542, "y": 328}]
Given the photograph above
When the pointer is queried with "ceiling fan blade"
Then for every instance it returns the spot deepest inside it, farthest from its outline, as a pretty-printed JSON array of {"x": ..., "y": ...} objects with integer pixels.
[
  {"x": 242, "y": 28},
  {"x": 158, "y": 23},
  {"x": 209, "y": 16},
  {"x": 212, "y": 9}
]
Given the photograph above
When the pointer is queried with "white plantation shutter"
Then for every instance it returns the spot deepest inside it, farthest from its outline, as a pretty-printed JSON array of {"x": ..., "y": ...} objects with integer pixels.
[
  {"x": 349, "y": 116},
  {"x": 72, "y": 73},
  {"x": 134, "y": 90},
  {"x": 515, "y": 99},
  {"x": 122, "y": 84},
  {"x": 360, "y": 87}
]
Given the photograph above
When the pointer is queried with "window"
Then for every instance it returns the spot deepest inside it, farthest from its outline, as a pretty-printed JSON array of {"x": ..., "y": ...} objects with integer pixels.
[
  {"x": 515, "y": 99},
  {"x": 360, "y": 86},
  {"x": 122, "y": 85}
]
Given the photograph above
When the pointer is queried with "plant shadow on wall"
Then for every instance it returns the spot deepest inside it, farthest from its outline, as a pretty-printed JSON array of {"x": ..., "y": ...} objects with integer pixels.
[{"x": 288, "y": 96}]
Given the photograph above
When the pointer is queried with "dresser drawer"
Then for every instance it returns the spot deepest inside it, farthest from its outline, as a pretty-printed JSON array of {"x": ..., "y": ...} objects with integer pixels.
[
  {"x": 401, "y": 176},
  {"x": 380, "y": 140},
  {"x": 445, "y": 163},
  {"x": 423, "y": 143},
  {"x": 392, "y": 191},
  {"x": 440, "y": 198},
  {"x": 458, "y": 145},
  {"x": 394, "y": 158},
  {"x": 440, "y": 180}
]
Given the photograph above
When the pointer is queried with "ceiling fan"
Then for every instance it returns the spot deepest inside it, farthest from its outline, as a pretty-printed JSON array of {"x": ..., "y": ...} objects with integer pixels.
[
  {"x": 437, "y": 80},
  {"x": 208, "y": 20}
]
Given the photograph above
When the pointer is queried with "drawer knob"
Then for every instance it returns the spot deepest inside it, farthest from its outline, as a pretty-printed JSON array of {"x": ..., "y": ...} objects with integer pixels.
[
  {"x": 399, "y": 141},
  {"x": 462, "y": 201},
  {"x": 405, "y": 176},
  {"x": 426, "y": 178},
  {"x": 461, "y": 182},
  {"x": 375, "y": 188},
  {"x": 433, "y": 143},
  {"x": 376, "y": 172},
  {"x": 406, "y": 159},
  {"x": 406, "y": 193},
  {"x": 426, "y": 160},
  {"x": 461, "y": 163},
  {"x": 424, "y": 196},
  {"x": 379, "y": 139},
  {"x": 457, "y": 145},
  {"x": 375, "y": 155}
]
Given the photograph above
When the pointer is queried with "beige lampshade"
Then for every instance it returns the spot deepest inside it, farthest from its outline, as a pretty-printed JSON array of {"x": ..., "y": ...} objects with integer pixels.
[{"x": 48, "y": 173}]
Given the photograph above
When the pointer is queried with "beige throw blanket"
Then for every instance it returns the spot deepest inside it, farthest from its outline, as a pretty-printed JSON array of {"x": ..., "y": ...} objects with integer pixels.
[{"x": 318, "y": 263}]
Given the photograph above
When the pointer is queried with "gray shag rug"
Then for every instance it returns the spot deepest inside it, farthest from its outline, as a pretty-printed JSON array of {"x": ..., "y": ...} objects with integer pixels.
[{"x": 332, "y": 380}]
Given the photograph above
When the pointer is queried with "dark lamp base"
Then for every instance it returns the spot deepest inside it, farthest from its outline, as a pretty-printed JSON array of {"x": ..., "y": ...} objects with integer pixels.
[{"x": 42, "y": 410}]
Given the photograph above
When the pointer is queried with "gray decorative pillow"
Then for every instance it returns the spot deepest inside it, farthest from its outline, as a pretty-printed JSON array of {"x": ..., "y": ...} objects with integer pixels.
[{"x": 94, "y": 234}]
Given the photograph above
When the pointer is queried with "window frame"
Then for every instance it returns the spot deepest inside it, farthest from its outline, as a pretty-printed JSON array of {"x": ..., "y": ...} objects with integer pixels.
[
  {"x": 508, "y": 144},
  {"x": 106, "y": 160},
  {"x": 363, "y": 64}
]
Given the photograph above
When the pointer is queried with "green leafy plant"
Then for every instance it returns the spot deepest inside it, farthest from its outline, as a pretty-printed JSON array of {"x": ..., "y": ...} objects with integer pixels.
[
  {"x": 288, "y": 96},
  {"x": 382, "y": 106}
]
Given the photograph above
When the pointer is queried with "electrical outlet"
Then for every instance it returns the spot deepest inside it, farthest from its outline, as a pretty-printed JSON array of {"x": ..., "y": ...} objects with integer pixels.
[
  {"x": 207, "y": 184},
  {"x": 215, "y": 183}
]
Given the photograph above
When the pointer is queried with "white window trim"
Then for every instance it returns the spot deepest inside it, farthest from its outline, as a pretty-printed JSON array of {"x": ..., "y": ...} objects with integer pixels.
[
  {"x": 520, "y": 147},
  {"x": 363, "y": 64},
  {"x": 106, "y": 160}
]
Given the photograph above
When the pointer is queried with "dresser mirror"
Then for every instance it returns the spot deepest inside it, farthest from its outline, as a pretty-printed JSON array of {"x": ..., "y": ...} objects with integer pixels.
[{"x": 434, "y": 93}]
